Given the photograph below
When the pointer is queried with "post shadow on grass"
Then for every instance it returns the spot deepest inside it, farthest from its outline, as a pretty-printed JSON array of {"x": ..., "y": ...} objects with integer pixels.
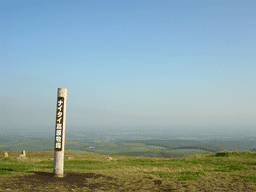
[
  {"x": 79, "y": 180},
  {"x": 76, "y": 180},
  {"x": 68, "y": 174}
]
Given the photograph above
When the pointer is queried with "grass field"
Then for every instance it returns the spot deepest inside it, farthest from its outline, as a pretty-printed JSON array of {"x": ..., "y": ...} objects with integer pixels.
[{"x": 224, "y": 171}]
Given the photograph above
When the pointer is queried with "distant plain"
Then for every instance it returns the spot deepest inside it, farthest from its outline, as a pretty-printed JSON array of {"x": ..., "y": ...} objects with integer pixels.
[{"x": 164, "y": 143}]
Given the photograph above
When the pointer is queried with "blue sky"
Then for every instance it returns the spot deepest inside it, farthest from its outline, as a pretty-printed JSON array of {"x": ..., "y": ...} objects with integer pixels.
[{"x": 128, "y": 63}]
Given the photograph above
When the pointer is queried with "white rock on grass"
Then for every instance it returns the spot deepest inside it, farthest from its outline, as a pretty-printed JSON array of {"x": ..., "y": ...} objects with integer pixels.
[
  {"x": 22, "y": 156},
  {"x": 5, "y": 155}
]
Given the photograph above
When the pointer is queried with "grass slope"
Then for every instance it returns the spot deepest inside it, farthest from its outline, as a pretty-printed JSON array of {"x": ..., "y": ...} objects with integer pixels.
[{"x": 224, "y": 171}]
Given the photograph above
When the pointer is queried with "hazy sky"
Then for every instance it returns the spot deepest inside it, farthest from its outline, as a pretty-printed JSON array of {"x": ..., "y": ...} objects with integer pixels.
[{"x": 128, "y": 63}]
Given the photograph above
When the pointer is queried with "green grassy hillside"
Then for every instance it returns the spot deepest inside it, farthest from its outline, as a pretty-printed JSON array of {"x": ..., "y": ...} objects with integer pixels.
[{"x": 223, "y": 171}]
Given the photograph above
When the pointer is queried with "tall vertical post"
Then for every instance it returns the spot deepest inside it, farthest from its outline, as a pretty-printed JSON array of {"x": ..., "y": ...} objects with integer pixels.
[{"x": 60, "y": 132}]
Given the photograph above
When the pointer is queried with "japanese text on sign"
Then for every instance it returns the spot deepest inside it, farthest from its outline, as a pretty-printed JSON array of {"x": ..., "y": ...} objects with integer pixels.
[{"x": 59, "y": 124}]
